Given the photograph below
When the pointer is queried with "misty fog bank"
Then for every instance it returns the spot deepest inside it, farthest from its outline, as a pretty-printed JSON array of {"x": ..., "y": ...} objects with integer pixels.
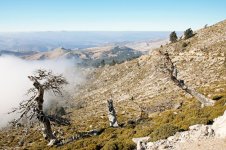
[{"x": 14, "y": 82}]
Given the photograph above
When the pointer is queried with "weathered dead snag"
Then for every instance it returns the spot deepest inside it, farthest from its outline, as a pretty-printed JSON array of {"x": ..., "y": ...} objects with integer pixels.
[
  {"x": 80, "y": 135},
  {"x": 112, "y": 114},
  {"x": 143, "y": 110},
  {"x": 33, "y": 107},
  {"x": 172, "y": 71}
]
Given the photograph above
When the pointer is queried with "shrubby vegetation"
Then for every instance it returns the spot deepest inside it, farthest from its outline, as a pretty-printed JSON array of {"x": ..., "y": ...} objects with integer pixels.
[
  {"x": 164, "y": 131},
  {"x": 188, "y": 33},
  {"x": 184, "y": 44},
  {"x": 173, "y": 37},
  {"x": 157, "y": 127}
]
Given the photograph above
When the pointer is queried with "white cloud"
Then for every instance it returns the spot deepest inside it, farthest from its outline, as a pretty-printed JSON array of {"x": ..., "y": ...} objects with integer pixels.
[{"x": 14, "y": 82}]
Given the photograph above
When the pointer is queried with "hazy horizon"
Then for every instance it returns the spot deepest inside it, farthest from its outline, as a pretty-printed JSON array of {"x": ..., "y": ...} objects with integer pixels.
[{"x": 42, "y": 41}]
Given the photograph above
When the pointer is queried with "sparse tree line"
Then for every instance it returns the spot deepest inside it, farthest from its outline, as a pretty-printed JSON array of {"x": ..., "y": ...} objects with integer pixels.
[
  {"x": 112, "y": 62},
  {"x": 103, "y": 63},
  {"x": 187, "y": 34}
]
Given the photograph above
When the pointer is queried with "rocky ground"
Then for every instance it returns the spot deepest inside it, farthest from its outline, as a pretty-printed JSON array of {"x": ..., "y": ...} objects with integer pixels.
[
  {"x": 203, "y": 144},
  {"x": 200, "y": 64},
  {"x": 198, "y": 137}
]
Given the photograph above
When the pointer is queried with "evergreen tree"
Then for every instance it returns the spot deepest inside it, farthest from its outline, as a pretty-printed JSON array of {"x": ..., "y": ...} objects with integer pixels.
[
  {"x": 173, "y": 37},
  {"x": 188, "y": 33},
  {"x": 102, "y": 63},
  {"x": 113, "y": 62}
]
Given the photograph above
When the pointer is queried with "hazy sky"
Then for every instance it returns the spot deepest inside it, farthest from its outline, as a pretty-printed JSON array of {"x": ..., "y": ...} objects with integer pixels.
[{"x": 109, "y": 15}]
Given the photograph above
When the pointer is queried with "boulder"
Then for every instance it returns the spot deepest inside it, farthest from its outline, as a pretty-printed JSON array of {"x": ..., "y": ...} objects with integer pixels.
[
  {"x": 141, "y": 142},
  {"x": 219, "y": 126}
]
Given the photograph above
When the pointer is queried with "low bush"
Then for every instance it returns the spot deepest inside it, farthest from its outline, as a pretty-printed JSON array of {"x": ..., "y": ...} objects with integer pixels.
[
  {"x": 184, "y": 45},
  {"x": 217, "y": 97},
  {"x": 164, "y": 131}
]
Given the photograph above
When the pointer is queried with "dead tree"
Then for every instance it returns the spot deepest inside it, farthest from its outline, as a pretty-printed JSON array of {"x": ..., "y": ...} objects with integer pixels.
[
  {"x": 33, "y": 107},
  {"x": 172, "y": 71},
  {"x": 143, "y": 110},
  {"x": 112, "y": 114}
]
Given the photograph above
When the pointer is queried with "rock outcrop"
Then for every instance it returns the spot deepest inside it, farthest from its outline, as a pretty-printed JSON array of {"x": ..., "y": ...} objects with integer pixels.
[
  {"x": 219, "y": 126},
  {"x": 141, "y": 142},
  {"x": 195, "y": 133}
]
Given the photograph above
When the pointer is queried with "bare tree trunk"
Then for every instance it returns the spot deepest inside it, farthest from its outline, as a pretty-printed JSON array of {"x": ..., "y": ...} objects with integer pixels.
[
  {"x": 112, "y": 114},
  {"x": 33, "y": 107},
  {"x": 47, "y": 131},
  {"x": 200, "y": 97},
  {"x": 143, "y": 111},
  {"x": 180, "y": 83}
]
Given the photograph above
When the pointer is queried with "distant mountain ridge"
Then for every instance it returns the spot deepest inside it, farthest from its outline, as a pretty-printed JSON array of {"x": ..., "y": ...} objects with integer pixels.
[
  {"x": 45, "y": 41},
  {"x": 16, "y": 53},
  {"x": 91, "y": 57}
]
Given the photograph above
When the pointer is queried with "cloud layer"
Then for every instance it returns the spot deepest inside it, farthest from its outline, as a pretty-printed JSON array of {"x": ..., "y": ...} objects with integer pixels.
[{"x": 14, "y": 82}]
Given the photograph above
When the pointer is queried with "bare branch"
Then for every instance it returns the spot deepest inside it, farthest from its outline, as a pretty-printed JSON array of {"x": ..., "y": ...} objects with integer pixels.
[{"x": 43, "y": 80}]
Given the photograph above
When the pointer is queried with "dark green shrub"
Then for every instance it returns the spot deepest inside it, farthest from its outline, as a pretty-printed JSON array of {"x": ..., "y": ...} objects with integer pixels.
[
  {"x": 110, "y": 146},
  {"x": 113, "y": 62},
  {"x": 119, "y": 145},
  {"x": 217, "y": 97},
  {"x": 184, "y": 44},
  {"x": 102, "y": 63},
  {"x": 173, "y": 37},
  {"x": 164, "y": 131},
  {"x": 188, "y": 33}
]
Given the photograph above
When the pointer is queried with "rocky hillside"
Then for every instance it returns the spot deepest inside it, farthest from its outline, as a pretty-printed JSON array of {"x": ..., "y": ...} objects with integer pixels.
[
  {"x": 143, "y": 83},
  {"x": 57, "y": 54},
  {"x": 91, "y": 56},
  {"x": 197, "y": 137},
  {"x": 108, "y": 54},
  {"x": 201, "y": 64}
]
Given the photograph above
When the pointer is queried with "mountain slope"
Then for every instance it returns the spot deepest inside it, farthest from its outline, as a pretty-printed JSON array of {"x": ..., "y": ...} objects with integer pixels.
[
  {"x": 143, "y": 83},
  {"x": 91, "y": 56},
  {"x": 57, "y": 54},
  {"x": 200, "y": 64}
]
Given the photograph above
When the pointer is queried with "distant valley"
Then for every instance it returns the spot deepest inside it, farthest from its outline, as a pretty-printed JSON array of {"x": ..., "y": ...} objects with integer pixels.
[{"x": 103, "y": 49}]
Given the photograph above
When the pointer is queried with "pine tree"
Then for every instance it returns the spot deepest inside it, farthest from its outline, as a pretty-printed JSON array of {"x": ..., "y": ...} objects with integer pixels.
[
  {"x": 102, "y": 63},
  {"x": 188, "y": 33},
  {"x": 173, "y": 37}
]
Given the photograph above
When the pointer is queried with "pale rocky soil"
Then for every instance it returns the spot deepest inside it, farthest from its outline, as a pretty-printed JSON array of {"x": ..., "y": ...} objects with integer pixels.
[
  {"x": 203, "y": 144},
  {"x": 210, "y": 137},
  {"x": 147, "y": 46},
  {"x": 201, "y": 65}
]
